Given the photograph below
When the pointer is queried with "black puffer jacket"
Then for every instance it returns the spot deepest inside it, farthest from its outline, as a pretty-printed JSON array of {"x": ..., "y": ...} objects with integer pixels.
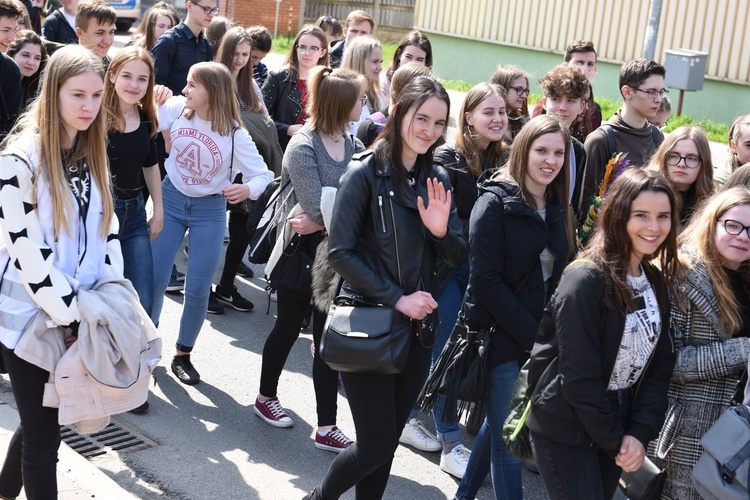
[
  {"x": 378, "y": 242},
  {"x": 572, "y": 362},
  {"x": 506, "y": 287},
  {"x": 283, "y": 101}
]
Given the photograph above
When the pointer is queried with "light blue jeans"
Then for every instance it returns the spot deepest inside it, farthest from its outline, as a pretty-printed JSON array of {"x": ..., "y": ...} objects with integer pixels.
[
  {"x": 205, "y": 216},
  {"x": 489, "y": 451}
]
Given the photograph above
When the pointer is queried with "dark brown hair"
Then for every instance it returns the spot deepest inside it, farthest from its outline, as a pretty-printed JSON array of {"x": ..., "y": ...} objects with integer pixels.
[{"x": 610, "y": 245}]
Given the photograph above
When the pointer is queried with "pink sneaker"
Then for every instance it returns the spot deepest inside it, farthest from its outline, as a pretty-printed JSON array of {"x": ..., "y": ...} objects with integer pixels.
[
  {"x": 335, "y": 441},
  {"x": 272, "y": 412}
]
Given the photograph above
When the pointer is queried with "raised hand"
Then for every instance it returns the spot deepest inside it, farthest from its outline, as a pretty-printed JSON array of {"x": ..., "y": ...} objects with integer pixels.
[{"x": 435, "y": 215}]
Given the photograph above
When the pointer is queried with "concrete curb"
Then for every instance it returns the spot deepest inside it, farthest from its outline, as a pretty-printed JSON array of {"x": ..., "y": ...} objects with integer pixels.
[{"x": 77, "y": 478}]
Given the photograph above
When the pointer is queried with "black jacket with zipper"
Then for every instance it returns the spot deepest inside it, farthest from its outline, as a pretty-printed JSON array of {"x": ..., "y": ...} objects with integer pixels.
[
  {"x": 573, "y": 359},
  {"x": 506, "y": 287},
  {"x": 283, "y": 101},
  {"x": 378, "y": 242}
]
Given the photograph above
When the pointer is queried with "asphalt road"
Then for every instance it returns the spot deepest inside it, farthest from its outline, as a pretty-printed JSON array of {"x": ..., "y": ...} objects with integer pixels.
[{"x": 212, "y": 445}]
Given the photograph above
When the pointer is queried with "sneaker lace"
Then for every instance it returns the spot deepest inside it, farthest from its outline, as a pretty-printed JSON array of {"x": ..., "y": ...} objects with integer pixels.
[
  {"x": 275, "y": 408},
  {"x": 339, "y": 437}
]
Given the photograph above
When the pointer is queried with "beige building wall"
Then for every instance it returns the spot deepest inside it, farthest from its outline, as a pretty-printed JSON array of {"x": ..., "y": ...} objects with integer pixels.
[{"x": 617, "y": 27}]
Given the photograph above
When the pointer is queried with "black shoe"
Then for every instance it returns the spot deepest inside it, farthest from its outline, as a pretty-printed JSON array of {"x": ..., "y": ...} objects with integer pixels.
[
  {"x": 140, "y": 410},
  {"x": 245, "y": 271},
  {"x": 214, "y": 307},
  {"x": 184, "y": 370},
  {"x": 232, "y": 298},
  {"x": 308, "y": 317},
  {"x": 177, "y": 274}
]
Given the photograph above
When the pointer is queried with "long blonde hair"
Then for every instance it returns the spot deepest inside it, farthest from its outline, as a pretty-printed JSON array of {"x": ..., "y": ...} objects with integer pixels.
[
  {"x": 223, "y": 108},
  {"x": 699, "y": 239},
  {"x": 357, "y": 54},
  {"x": 43, "y": 119}
]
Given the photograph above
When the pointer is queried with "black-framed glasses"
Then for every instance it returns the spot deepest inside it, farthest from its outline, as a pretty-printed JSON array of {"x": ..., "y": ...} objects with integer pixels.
[
  {"x": 207, "y": 10},
  {"x": 523, "y": 92},
  {"x": 691, "y": 161},
  {"x": 654, "y": 94},
  {"x": 735, "y": 228}
]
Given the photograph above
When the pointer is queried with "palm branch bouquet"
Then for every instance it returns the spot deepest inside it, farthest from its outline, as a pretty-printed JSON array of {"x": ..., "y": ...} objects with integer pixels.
[{"x": 615, "y": 166}]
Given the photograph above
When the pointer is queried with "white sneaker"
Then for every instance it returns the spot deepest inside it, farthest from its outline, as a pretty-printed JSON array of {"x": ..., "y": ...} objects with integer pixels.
[
  {"x": 415, "y": 434},
  {"x": 455, "y": 462}
]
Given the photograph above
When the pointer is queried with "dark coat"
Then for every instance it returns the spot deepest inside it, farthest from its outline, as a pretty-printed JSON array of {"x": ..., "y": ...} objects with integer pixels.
[
  {"x": 336, "y": 53},
  {"x": 580, "y": 155},
  {"x": 506, "y": 287},
  {"x": 378, "y": 242},
  {"x": 464, "y": 191},
  {"x": 57, "y": 29},
  {"x": 283, "y": 101},
  {"x": 573, "y": 358}
]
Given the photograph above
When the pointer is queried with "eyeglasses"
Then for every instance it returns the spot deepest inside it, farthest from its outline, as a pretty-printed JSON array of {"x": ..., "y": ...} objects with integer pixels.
[
  {"x": 305, "y": 48},
  {"x": 207, "y": 10},
  {"x": 363, "y": 100},
  {"x": 735, "y": 228},
  {"x": 521, "y": 91},
  {"x": 654, "y": 94},
  {"x": 690, "y": 161}
]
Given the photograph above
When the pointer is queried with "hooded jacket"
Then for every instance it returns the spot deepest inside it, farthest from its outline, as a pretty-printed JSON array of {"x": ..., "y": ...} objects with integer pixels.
[
  {"x": 506, "y": 287},
  {"x": 638, "y": 143}
]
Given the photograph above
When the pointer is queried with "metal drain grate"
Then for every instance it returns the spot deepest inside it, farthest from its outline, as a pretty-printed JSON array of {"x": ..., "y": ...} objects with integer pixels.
[{"x": 117, "y": 436}]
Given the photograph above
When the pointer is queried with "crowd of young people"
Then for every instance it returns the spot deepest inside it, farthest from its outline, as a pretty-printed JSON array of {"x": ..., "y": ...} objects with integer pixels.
[{"x": 192, "y": 120}]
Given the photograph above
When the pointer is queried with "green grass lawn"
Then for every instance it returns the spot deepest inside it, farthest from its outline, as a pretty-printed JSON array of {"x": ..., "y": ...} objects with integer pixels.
[{"x": 716, "y": 132}]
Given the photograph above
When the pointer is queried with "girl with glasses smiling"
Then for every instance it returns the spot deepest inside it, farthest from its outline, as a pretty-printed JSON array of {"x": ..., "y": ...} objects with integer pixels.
[
  {"x": 285, "y": 90},
  {"x": 516, "y": 83},
  {"x": 710, "y": 326},
  {"x": 685, "y": 159}
]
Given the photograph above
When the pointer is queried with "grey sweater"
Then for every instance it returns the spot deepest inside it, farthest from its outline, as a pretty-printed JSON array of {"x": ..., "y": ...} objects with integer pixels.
[{"x": 307, "y": 163}]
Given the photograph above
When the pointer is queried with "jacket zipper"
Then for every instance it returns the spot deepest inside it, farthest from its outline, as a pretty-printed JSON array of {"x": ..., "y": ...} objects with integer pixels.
[
  {"x": 395, "y": 241},
  {"x": 382, "y": 217}
]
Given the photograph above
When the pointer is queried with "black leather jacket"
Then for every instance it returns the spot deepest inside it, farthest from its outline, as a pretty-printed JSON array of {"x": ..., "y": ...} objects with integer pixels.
[
  {"x": 378, "y": 242},
  {"x": 283, "y": 101}
]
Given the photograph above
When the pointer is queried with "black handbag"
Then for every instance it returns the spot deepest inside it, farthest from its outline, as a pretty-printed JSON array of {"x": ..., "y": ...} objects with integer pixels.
[
  {"x": 359, "y": 337},
  {"x": 293, "y": 271},
  {"x": 242, "y": 207},
  {"x": 646, "y": 483},
  {"x": 460, "y": 372}
]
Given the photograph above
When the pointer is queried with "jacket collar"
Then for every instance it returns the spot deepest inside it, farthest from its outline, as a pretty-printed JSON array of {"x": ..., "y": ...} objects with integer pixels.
[
  {"x": 510, "y": 193},
  {"x": 699, "y": 291}
]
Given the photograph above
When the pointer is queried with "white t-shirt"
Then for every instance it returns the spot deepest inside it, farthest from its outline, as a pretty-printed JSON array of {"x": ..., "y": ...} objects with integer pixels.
[
  {"x": 642, "y": 329},
  {"x": 71, "y": 19},
  {"x": 199, "y": 161}
]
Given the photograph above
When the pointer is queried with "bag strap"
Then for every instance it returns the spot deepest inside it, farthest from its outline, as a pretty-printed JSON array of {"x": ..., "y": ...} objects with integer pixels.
[{"x": 231, "y": 158}]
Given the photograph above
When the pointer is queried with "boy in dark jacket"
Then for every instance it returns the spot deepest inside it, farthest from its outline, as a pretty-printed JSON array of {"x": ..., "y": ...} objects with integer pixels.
[{"x": 60, "y": 25}]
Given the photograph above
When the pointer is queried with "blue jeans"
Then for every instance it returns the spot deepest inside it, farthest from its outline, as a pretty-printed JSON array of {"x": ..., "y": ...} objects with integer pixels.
[
  {"x": 489, "y": 451},
  {"x": 205, "y": 216},
  {"x": 449, "y": 304},
  {"x": 136, "y": 248}
]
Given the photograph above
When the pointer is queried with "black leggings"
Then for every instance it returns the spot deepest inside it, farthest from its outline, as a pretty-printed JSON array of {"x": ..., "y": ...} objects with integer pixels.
[
  {"x": 380, "y": 405},
  {"x": 238, "y": 241},
  {"x": 290, "y": 313},
  {"x": 31, "y": 461}
]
